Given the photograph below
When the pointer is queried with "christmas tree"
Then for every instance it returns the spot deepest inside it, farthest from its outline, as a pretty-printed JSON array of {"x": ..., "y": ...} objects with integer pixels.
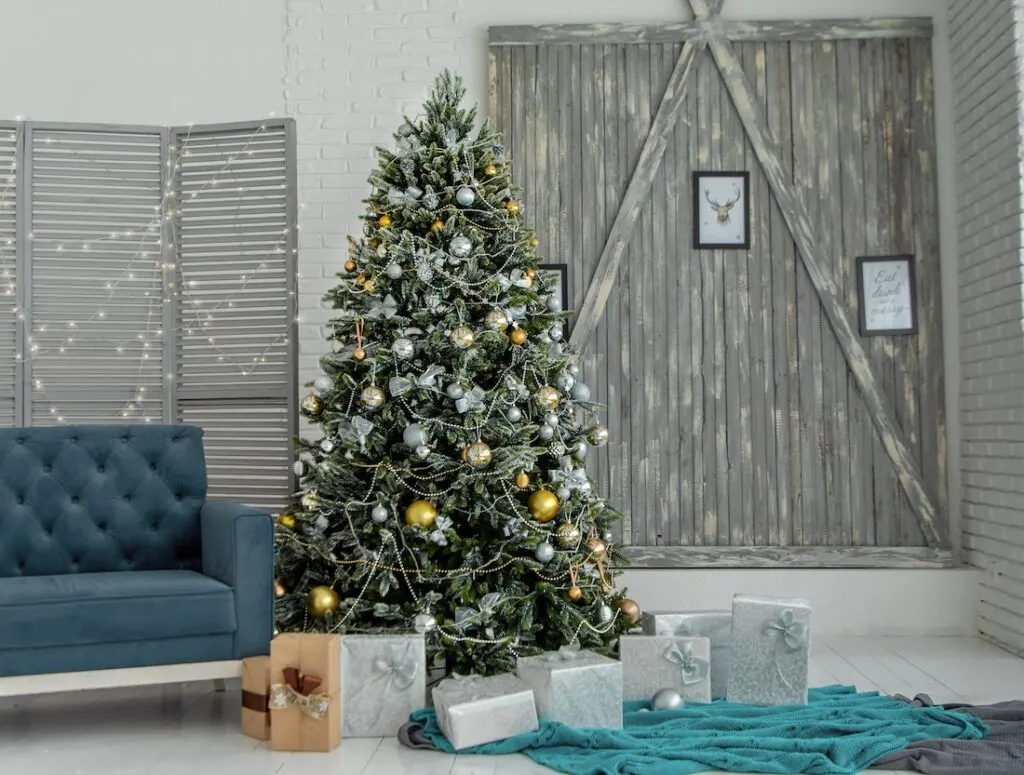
[{"x": 447, "y": 491}]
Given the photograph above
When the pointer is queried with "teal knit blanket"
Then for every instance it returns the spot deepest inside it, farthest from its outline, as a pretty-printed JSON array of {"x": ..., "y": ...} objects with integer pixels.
[{"x": 839, "y": 732}]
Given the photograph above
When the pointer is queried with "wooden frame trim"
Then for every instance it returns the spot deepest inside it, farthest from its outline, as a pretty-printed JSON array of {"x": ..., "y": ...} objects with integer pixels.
[
  {"x": 47, "y": 683},
  {"x": 768, "y": 30},
  {"x": 676, "y": 557}
]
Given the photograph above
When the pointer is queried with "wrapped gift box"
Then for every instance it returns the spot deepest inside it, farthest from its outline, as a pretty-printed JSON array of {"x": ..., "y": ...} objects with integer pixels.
[
  {"x": 383, "y": 680},
  {"x": 654, "y": 662},
  {"x": 716, "y": 626},
  {"x": 305, "y": 692},
  {"x": 771, "y": 640},
  {"x": 579, "y": 688},
  {"x": 473, "y": 710},
  {"x": 255, "y": 697}
]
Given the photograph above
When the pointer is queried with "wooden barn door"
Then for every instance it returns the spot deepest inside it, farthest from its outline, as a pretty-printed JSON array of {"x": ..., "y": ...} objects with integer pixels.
[{"x": 747, "y": 428}]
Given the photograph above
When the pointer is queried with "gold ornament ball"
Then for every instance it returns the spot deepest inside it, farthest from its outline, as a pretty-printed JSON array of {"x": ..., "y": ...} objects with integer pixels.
[
  {"x": 370, "y": 285},
  {"x": 535, "y": 240},
  {"x": 361, "y": 280},
  {"x": 350, "y": 265},
  {"x": 598, "y": 549},
  {"x": 279, "y": 590},
  {"x": 527, "y": 281},
  {"x": 496, "y": 320},
  {"x": 530, "y": 272},
  {"x": 517, "y": 337},
  {"x": 374, "y": 243},
  {"x": 478, "y": 454},
  {"x": 547, "y": 397},
  {"x": 491, "y": 170},
  {"x": 630, "y": 610},
  {"x": 522, "y": 480},
  {"x": 437, "y": 226},
  {"x": 384, "y": 221},
  {"x": 567, "y": 535},
  {"x": 286, "y": 521},
  {"x": 359, "y": 354},
  {"x": 543, "y": 505},
  {"x": 512, "y": 206},
  {"x": 463, "y": 337},
  {"x": 372, "y": 397},
  {"x": 322, "y": 601},
  {"x": 421, "y": 514},
  {"x": 575, "y": 594},
  {"x": 312, "y": 405},
  {"x": 310, "y": 500}
]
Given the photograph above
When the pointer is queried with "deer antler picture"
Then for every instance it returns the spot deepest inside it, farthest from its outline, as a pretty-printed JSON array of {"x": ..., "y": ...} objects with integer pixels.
[
  {"x": 721, "y": 210},
  {"x": 724, "y": 211}
]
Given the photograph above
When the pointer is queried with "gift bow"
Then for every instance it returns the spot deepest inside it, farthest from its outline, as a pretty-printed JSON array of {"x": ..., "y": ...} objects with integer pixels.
[
  {"x": 296, "y": 692},
  {"x": 472, "y": 400},
  {"x": 409, "y": 197},
  {"x": 387, "y": 308},
  {"x": 574, "y": 479},
  {"x": 567, "y": 653},
  {"x": 516, "y": 386},
  {"x": 687, "y": 629},
  {"x": 792, "y": 634},
  {"x": 398, "y": 670},
  {"x": 359, "y": 427},
  {"x": 692, "y": 668},
  {"x": 427, "y": 381}
]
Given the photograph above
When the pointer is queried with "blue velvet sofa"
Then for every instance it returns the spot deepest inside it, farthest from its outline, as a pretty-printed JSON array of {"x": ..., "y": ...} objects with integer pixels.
[{"x": 111, "y": 556}]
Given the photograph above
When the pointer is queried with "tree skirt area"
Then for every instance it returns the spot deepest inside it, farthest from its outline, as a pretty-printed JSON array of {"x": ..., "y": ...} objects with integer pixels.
[{"x": 839, "y": 732}]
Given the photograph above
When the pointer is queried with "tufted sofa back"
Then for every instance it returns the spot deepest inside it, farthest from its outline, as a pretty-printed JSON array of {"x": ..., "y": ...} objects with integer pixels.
[{"x": 88, "y": 499}]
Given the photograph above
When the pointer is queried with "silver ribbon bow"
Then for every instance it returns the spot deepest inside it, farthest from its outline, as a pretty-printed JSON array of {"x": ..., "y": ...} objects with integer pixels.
[
  {"x": 398, "y": 670},
  {"x": 437, "y": 535},
  {"x": 472, "y": 400},
  {"x": 693, "y": 668},
  {"x": 410, "y": 196},
  {"x": 359, "y": 428},
  {"x": 516, "y": 313},
  {"x": 516, "y": 386},
  {"x": 399, "y": 386},
  {"x": 791, "y": 634},
  {"x": 387, "y": 308},
  {"x": 566, "y": 653},
  {"x": 570, "y": 477}
]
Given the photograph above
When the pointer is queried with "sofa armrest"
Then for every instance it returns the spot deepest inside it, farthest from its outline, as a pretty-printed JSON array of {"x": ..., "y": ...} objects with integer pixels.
[{"x": 238, "y": 550}]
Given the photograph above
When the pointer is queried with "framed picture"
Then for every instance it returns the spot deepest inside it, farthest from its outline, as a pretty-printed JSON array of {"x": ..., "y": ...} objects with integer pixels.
[
  {"x": 561, "y": 274},
  {"x": 721, "y": 210},
  {"x": 887, "y": 291}
]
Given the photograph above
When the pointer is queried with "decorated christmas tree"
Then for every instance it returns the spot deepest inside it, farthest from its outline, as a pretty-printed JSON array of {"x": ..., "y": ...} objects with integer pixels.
[{"x": 446, "y": 492}]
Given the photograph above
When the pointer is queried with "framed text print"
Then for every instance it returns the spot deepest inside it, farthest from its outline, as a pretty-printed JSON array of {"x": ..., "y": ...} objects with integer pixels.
[{"x": 888, "y": 295}]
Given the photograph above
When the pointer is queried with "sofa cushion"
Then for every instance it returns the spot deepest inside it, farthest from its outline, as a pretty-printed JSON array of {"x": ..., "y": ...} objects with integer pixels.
[
  {"x": 84, "y": 608},
  {"x": 89, "y": 499}
]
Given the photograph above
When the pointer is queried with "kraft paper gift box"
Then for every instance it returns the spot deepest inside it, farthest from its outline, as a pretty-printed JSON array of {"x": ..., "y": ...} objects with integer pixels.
[
  {"x": 716, "y": 626},
  {"x": 771, "y": 640},
  {"x": 654, "y": 662},
  {"x": 473, "y": 710},
  {"x": 383, "y": 680},
  {"x": 255, "y": 697},
  {"x": 305, "y": 692},
  {"x": 578, "y": 688}
]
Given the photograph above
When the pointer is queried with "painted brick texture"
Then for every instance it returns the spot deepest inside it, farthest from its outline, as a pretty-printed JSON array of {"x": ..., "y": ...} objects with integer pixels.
[{"x": 987, "y": 81}]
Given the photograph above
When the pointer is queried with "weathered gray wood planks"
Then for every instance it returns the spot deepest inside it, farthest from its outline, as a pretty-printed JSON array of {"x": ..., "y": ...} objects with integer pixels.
[{"x": 788, "y": 557}]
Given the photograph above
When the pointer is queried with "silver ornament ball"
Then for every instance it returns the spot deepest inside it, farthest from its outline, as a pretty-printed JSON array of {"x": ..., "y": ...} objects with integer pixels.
[
  {"x": 544, "y": 552},
  {"x": 607, "y": 536},
  {"x": 423, "y": 451},
  {"x": 666, "y": 699},
  {"x": 582, "y": 450},
  {"x": 554, "y": 303},
  {"x": 580, "y": 392},
  {"x": 552, "y": 420},
  {"x": 402, "y": 348},
  {"x": 604, "y": 614},
  {"x": 460, "y": 246},
  {"x": 394, "y": 271},
  {"x": 424, "y": 623},
  {"x": 599, "y": 435},
  {"x": 515, "y": 414},
  {"x": 455, "y": 391},
  {"x": 379, "y": 515},
  {"x": 556, "y": 331},
  {"x": 299, "y": 468},
  {"x": 327, "y": 446},
  {"x": 465, "y": 196},
  {"x": 322, "y": 385},
  {"x": 564, "y": 493},
  {"x": 565, "y": 382},
  {"x": 547, "y": 432},
  {"x": 574, "y": 369},
  {"x": 414, "y": 436}
]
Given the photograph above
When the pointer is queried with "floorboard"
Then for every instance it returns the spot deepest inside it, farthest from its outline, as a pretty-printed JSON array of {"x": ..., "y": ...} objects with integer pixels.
[{"x": 193, "y": 730}]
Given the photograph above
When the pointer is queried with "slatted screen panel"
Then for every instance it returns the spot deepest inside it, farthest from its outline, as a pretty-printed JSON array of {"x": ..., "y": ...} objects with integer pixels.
[
  {"x": 234, "y": 238},
  {"x": 8, "y": 268},
  {"x": 96, "y": 288}
]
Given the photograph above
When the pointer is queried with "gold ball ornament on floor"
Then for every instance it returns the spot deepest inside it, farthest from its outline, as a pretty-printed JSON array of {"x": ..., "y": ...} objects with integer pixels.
[
  {"x": 372, "y": 397},
  {"x": 496, "y": 320},
  {"x": 567, "y": 535},
  {"x": 312, "y": 405},
  {"x": 463, "y": 337},
  {"x": 478, "y": 454},
  {"x": 630, "y": 610},
  {"x": 575, "y": 594},
  {"x": 384, "y": 221},
  {"x": 286, "y": 521},
  {"x": 359, "y": 354},
  {"x": 522, "y": 480},
  {"x": 547, "y": 397},
  {"x": 322, "y": 601},
  {"x": 421, "y": 514},
  {"x": 512, "y": 206},
  {"x": 350, "y": 265},
  {"x": 437, "y": 226},
  {"x": 517, "y": 336},
  {"x": 543, "y": 505}
]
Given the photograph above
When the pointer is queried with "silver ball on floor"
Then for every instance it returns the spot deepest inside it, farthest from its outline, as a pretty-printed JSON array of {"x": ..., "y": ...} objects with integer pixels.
[{"x": 666, "y": 699}]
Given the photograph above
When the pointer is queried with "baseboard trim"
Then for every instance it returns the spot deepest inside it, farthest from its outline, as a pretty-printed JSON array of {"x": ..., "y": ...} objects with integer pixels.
[
  {"x": 683, "y": 557},
  {"x": 18, "y": 685}
]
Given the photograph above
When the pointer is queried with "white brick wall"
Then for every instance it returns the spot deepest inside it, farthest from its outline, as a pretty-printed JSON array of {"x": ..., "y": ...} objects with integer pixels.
[{"x": 986, "y": 57}]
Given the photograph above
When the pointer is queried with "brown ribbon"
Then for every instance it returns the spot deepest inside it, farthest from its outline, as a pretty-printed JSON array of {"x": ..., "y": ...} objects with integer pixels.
[
  {"x": 302, "y": 684},
  {"x": 256, "y": 702}
]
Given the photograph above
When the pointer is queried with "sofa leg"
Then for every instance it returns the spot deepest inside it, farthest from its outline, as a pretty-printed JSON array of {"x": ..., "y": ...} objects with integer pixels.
[{"x": 218, "y": 684}]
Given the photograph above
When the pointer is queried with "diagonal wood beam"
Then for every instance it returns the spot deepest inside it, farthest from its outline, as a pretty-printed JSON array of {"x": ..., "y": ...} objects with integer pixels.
[
  {"x": 639, "y": 187},
  {"x": 799, "y": 223}
]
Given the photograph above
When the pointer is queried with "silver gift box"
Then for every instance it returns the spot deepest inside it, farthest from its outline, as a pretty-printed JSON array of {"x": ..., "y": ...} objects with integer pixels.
[
  {"x": 383, "y": 680},
  {"x": 716, "y": 626},
  {"x": 654, "y": 662},
  {"x": 473, "y": 710},
  {"x": 579, "y": 688},
  {"x": 771, "y": 642}
]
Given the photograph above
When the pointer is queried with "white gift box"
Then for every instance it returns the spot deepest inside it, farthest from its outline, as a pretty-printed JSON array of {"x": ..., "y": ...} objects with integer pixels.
[
  {"x": 716, "y": 626},
  {"x": 578, "y": 688},
  {"x": 771, "y": 642},
  {"x": 654, "y": 662},
  {"x": 473, "y": 710},
  {"x": 383, "y": 680}
]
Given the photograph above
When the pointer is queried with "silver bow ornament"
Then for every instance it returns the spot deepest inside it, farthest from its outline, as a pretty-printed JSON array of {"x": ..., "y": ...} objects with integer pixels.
[
  {"x": 571, "y": 478},
  {"x": 440, "y": 526},
  {"x": 399, "y": 386},
  {"x": 566, "y": 653},
  {"x": 359, "y": 428},
  {"x": 789, "y": 633},
  {"x": 410, "y": 197},
  {"x": 517, "y": 387},
  {"x": 471, "y": 401},
  {"x": 693, "y": 668},
  {"x": 387, "y": 308}
]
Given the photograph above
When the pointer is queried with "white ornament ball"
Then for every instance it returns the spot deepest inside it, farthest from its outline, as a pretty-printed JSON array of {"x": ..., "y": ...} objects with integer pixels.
[
  {"x": 544, "y": 552},
  {"x": 580, "y": 392},
  {"x": 414, "y": 436},
  {"x": 547, "y": 432},
  {"x": 515, "y": 414},
  {"x": 599, "y": 435},
  {"x": 455, "y": 391},
  {"x": 565, "y": 382},
  {"x": 394, "y": 271},
  {"x": 299, "y": 468},
  {"x": 582, "y": 450},
  {"x": 552, "y": 420},
  {"x": 423, "y": 451},
  {"x": 424, "y": 623},
  {"x": 554, "y": 303},
  {"x": 666, "y": 699},
  {"x": 379, "y": 515},
  {"x": 465, "y": 196},
  {"x": 604, "y": 614},
  {"x": 402, "y": 348},
  {"x": 607, "y": 536},
  {"x": 574, "y": 369},
  {"x": 327, "y": 446},
  {"x": 556, "y": 331},
  {"x": 322, "y": 384},
  {"x": 564, "y": 494},
  {"x": 460, "y": 246}
]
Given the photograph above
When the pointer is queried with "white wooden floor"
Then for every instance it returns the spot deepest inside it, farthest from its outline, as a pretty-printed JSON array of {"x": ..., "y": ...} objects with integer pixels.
[{"x": 193, "y": 731}]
